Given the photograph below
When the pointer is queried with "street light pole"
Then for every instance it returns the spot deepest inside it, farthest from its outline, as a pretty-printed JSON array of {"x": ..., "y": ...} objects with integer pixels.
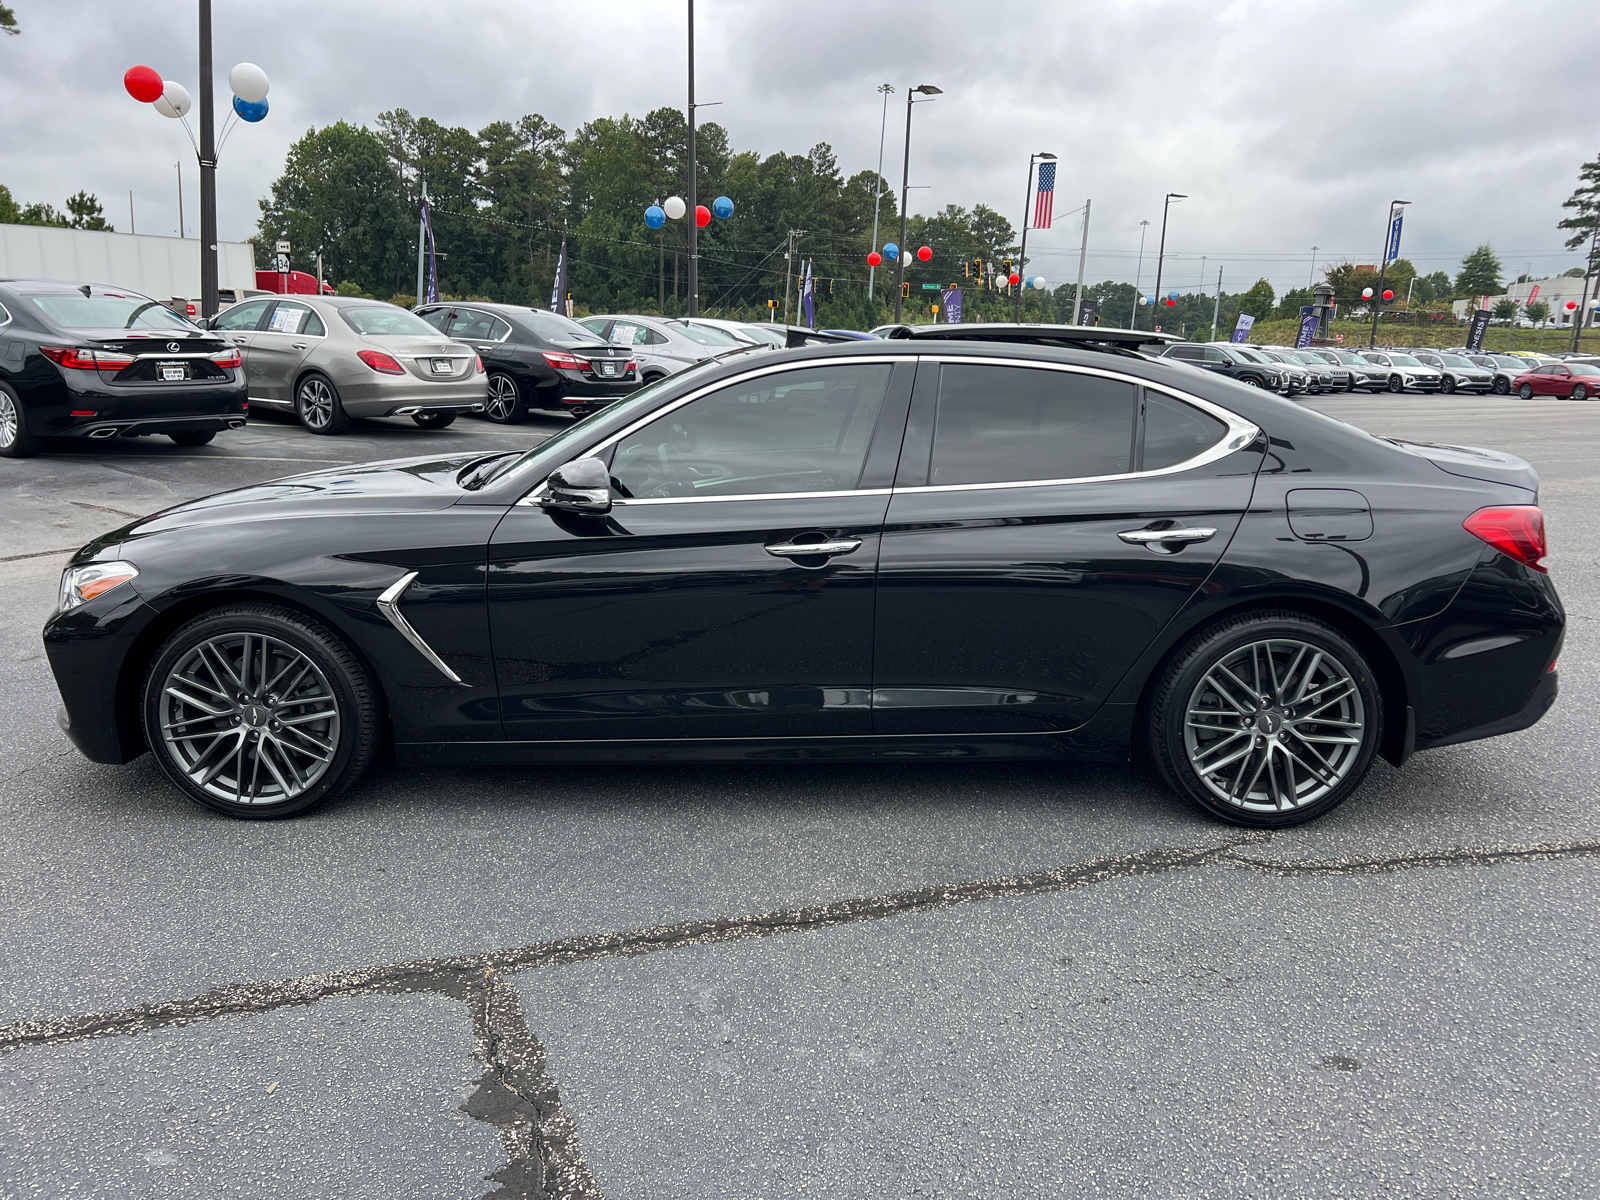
[
  {"x": 1162, "y": 253},
  {"x": 883, "y": 126},
  {"x": 1311, "y": 280},
  {"x": 1133, "y": 320},
  {"x": 925, "y": 89},
  {"x": 1216, "y": 305},
  {"x": 1022, "y": 254},
  {"x": 1588, "y": 272},
  {"x": 208, "y": 172},
  {"x": 1383, "y": 268}
]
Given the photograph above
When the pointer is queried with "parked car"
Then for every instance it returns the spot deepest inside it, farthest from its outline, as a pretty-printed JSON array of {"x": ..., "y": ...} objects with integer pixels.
[
  {"x": 923, "y": 548},
  {"x": 757, "y": 333},
  {"x": 1317, "y": 375},
  {"x": 1570, "y": 380},
  {"x": 536, "y": 359},
  {"x": 330, "y": 358},
  {"x": 1294, "y": 378},
  {"x": 663, "y": 346},
  {"x": 1405, "y": 372},
  {"x": 1458, "y": 372},
  {"x": 90, "y": 361},
  {"x": 1331, "y": 376},
  {"x": 1503, "y": 369},
  {"x": 1225, "y": 360},
  {"x": 1364, "y": 376}
]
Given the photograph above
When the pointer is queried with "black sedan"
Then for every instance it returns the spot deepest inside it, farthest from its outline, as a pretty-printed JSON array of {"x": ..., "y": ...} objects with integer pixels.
[
  {"x": 87, "y": 361},
  {"x": 537, "y": 359},
  {"x": 888, "y": 550}
]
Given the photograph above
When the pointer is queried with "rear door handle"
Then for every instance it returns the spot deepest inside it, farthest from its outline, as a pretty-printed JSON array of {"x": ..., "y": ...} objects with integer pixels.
[
  {"x": 300, "y": 345},
  {"x": 1145, "y": 537},
  {"x": 814, "y": 549}
]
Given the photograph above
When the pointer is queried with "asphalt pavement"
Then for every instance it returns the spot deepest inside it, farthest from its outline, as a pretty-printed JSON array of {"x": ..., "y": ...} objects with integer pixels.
[{"x": 783, "y": 981}]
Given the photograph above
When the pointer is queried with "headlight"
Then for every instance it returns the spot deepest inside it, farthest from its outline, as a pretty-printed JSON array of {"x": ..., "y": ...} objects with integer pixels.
[{"x": 79, "y": 585}]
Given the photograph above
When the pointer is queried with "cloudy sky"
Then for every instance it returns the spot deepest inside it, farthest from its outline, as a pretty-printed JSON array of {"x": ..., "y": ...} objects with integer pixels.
[{"x": 1287, "y": 125}]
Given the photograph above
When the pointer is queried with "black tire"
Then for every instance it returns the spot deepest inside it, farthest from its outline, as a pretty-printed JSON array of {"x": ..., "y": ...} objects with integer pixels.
[
  {"x": 1351, "y": 386},
  {"x": 1502, "y": 386},
  {"x": 505, "y": 403},
  {"x": 1447, "y": 385},
  {"x": 1252, "y": 381},
  {"x": 652, "y": 376},
  {"x": 198, "y": 438},
  {"x": 16, "y": 440},
  {"x": 1580, "y": 391},
  {"x": 350, "y": 726},
  {"x": 434, "y": 420},
  {"x": 1174, "y": 739},
  {"x": 1526, "y": 391},
  {"x": 317, "y": 404},
  {"x": 1396, "y": 384}
]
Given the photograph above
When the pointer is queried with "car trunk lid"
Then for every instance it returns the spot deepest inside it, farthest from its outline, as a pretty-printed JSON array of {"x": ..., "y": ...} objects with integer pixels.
[{"x": 1474, "y": 462}]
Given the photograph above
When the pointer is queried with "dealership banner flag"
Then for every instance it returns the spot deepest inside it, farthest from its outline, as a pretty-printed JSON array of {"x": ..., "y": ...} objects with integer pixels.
[
  {"x": 1044, "y": 198},
  {"x": 560, "y": 289},
  {"x": 1242, "y": 329},
  {"x": 808, "y": 302},
  {"x": 1308, "y": 330},
  {"x": 1480, "y": 322},
  {"x": 1088, "y": 312},
  {"x": 951, "y": 299},
  {"x": 432, "y": 284},
  {"x": 1394, "y": 235}
]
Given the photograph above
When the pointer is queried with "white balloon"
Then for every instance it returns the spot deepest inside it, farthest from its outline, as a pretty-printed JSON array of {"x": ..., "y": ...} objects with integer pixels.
[
  {"x": 675, "y": 207},
  {"x": 174, "y": 99},
  {"x": 249, "y": 83},
  {"x": 1038, "y": 283}
]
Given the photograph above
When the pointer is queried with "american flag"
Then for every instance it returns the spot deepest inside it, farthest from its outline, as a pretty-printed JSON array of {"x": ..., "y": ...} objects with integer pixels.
[{"x": 1046, "y": 198}]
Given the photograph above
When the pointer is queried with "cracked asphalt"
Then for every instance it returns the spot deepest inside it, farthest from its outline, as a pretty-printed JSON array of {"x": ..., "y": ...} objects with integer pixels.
[{"x": 785, "y": 981}]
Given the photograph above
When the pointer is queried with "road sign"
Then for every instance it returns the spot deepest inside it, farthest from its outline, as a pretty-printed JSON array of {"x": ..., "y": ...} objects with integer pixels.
[
  {"x": 282, "y": 247},
  {"x": 283, "y": 263},
  {"x": 1338, "y": 337},
  {"x": 930, "y": 287}
]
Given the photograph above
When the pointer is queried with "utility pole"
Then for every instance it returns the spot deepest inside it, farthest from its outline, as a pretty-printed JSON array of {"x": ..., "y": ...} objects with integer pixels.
[
  {"x": 1588, "y": 272},
  {"x": 883, "y": 126},
  {"x": 1083, "y": 254},
  {"x": 788, "y": 273},
  {"x": 1216, "y": 306},
  {"x": 694, "y": 171},
  {"x": 208, "y": 172},
  {"x": 132, "y": 228},
  {"x": 179, "y": 165},
  {"x": 1138, "y": 271},
  {"x": 1311, "y": 280}
]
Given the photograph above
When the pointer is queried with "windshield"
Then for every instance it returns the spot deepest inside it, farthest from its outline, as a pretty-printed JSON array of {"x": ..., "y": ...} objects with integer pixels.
[
  {"x": 108, "y": 310},
  {"x": 1306, "y": 356},
  {"x": 388, "y": 321},
  {"x": 1583, "y": 368},
  {"x": 1255, "y": 356},
  {"x": 1454, "y": 360},
  {"x": 1350, "y": 358},
  {"x": 556, "y": 328},
  {"x": 707, "y": 335},
  {"x": 772, "y": 337},
  {"x": 1505, "y": 360},
  {"x": 1404, "y": 360}
]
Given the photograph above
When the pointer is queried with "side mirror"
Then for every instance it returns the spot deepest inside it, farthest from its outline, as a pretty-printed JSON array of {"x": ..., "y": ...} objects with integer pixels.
[
  {"x": 203, "y": 322},
  {"x": 581, "y": 486}
]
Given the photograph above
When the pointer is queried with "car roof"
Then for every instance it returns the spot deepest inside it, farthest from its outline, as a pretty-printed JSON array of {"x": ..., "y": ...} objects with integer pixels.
[
  {"x": 1033, "y": 335},
  {"x": 63, "y": 287}
]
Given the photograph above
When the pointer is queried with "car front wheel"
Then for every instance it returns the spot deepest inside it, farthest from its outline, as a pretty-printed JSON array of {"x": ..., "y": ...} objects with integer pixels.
[
  {"x": 1447, "y": 385},
  {"x": 1266, "y": 719},
  {"x": 258, "y": 711},
  {"x": 1396, "y": 384},
  {"x": 1580, "y": 392},
  {"x": 316, "y": 403},
  {"x": 1526, "y": 391},
  {"x": 1502, "y": 387}
]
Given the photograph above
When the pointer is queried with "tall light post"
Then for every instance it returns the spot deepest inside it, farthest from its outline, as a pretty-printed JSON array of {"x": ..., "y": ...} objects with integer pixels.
[
  {"x": 694, "y": 172},
  {"x": 885, "y": 89},
  {"x": 1022, "y": 254},
  {"x": 1311, "y": 280},
  {"x": 208, "y": 172},
  {"x": 1588, "y": 273},
  {"x": 922, "y": 89},
  {"x": 1383, "y": 267},
  {"x": 1133, "y": 320},
  {"x": 1162, "y": 253}
]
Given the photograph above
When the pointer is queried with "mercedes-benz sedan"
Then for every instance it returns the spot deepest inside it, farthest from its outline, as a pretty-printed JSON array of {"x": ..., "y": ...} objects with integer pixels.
[{"x": 895, "y": 550}]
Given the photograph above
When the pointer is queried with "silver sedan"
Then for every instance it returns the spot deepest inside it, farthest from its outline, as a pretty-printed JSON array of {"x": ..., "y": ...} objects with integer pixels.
[
  {"x": 663, "y": 345},
  {"x": 331, "y": 358}
]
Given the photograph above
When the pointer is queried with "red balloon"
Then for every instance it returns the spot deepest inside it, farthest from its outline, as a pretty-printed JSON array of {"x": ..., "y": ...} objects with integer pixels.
[
  {"x": 1571, "y": 304},
  {"x": 1171, "y": 303},
  {"x": 143, "y": 83},
  {"x": 702, "y": 215},
  {"x": 1387, "y": 294},
  {"x": 1013, "y": 279},
  {"x": 874, "y": 259},
  {"x": 924, "y": 253}
]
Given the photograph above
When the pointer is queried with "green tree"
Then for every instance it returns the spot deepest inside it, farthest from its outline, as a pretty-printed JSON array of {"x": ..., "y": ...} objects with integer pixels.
[
  {"x": 8, "y": 20},
  {"x": 1435, "y": 286},
  {"x": 1258, "y": 301},
  {"x": 1585, "y": 205},
  {"x": 86, "y": 212},
  {"x": 1504, "y": 309},
  {"x": 1572, "y": 273},
  {"x": 1538, "y": 312},
  {"x": 1480, "y": 273},
  {"x": 1290, "y": 303}
]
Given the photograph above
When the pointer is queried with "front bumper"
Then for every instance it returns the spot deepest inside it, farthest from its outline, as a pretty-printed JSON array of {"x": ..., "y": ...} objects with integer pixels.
[{"x": 87, "y": 648}]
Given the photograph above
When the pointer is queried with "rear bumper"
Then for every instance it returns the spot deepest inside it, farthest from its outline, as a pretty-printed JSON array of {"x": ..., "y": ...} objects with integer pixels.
[
  {"x": 389, "y": 396},
  {"x": 99, "y": 430},
  {"x": 1543, "y": 698}
]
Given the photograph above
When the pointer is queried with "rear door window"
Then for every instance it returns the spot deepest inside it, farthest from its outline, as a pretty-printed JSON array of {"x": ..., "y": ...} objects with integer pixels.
[
  {"x": 241, "y": 318},
  {"x": 1009, "y": 424},
  {"x": 1175, "y": 432}
]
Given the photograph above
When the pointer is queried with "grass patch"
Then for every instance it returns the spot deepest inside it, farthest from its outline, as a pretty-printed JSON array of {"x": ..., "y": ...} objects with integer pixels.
[{"x": 1398, "y": 331}]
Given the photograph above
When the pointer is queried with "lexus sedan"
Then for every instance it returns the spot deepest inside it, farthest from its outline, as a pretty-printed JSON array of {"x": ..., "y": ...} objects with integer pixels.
[
  {"x": 536, "y": 359},
  {"x": 87, "y": 361},
  {"x": 917, "y": 548},
  {"x": 1569, "y": 380},
  {"x": 330, "y": 358}
]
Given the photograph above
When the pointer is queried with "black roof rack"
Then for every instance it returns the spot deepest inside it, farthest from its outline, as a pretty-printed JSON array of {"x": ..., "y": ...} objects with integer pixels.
[{"x": 1087, "y": 336}]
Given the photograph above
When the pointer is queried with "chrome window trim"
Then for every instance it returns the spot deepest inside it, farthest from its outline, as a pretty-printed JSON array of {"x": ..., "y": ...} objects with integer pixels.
[
  {"x": 750, "y": 496},
  {"x": 308, "y": 308},
  {"x": 5, "y": 313}
]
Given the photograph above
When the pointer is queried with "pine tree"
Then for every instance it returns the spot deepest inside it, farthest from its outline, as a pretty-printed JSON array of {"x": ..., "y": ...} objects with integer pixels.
[
  {"x": 1585, "y": 205},
  {"x": 1480, "y": 273}
]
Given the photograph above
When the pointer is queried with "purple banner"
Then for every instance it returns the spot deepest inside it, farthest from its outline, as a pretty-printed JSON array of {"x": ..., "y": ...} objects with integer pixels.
[
  {"x": 1308, "y": 330},
  {"x": 951, "y": 300}
]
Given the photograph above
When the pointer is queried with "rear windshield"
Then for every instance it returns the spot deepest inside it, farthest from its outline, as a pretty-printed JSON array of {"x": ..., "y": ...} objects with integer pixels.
[
  {"x": 553, "y": 327},
  {"x": 387, "y": 321},
  {"x": 108, "y": 310}
]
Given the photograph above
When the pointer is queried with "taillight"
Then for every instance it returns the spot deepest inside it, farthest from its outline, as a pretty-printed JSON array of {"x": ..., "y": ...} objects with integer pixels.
[
  {"x": 480, "y": 364},
  {"x": 226, "y": 358},
  {"x": 566, "y": 362},
  {"x": 380, "y": 362},
  {"x": 77, "y": 359},
  {"x": 633, "y": 365},
  {"x": 1516, "y": 530}
]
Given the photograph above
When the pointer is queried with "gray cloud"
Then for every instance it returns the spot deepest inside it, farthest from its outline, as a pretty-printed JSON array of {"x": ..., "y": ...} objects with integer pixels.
[{"x": 1287, "y": 125}]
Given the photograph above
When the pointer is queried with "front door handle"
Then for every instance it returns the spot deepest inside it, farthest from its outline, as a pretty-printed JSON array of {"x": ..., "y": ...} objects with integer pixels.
[
  {"x": 241, "y": 341},
  {"x": 300, "y": 345},
  {"x": 1147, "y": 537},
  {"x": 814, "y": 549}
]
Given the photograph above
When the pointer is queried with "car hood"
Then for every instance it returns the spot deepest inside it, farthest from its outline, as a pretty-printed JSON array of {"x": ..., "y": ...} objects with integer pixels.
[
  {"x": 390, "y": 486},
  {"x": 1474, "y": 462}
]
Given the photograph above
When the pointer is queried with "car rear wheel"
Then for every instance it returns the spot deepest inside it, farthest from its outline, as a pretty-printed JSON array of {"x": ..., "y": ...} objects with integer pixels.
[
  {"x": 1267, "y": 719},
  {"x": 1396, "y": 384},
  {"x": 504, "y": 405},
  {"x": 15, "y": 439},
  {"x": 197, "y": 438},
  {"x": 258, "y": 711},
  {"x": 1502, "y": 387},
  {"x": 434, "y": 420},
  {"x": 1526, "y": 391},
  {"x": 1447, "y": 385},
  {"x": 1580, "y": 392},
  {"x": 316, "y": 403}
]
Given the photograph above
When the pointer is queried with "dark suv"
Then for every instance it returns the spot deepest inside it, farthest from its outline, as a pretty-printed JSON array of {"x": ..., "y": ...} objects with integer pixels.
[
  {"x": 1226, "y": 362},
  {"x": 89, "y": 361},
  {"x": 536, "y": 359}
]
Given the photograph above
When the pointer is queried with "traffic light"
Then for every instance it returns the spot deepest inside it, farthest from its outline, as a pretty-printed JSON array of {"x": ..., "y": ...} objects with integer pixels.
[{"x": 905, "y": 291}]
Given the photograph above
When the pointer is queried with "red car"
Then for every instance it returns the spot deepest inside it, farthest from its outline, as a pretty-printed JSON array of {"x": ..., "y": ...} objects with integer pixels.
[{"x": 1574, "y": 381}]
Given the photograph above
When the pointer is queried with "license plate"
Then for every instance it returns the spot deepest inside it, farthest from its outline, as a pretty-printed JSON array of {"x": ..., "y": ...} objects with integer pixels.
[
  {"x": 609, "y": 368},
  {"x": 171, "y": 374},
  {"x": 443, "y": 366}
]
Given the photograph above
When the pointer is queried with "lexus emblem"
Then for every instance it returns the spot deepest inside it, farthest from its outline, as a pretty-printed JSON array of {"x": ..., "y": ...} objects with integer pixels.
[{"x": 173, "y": 347}]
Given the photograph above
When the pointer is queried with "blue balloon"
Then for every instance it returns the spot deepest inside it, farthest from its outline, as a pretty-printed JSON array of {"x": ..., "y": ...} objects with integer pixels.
[
  {"x": 655, "y": 216},
  {"x": 248, "y": 111},
  {"x": 890, "y": 250},
  {"x": 722, "y": 207},
  {"x": 1172, "y": 295}
]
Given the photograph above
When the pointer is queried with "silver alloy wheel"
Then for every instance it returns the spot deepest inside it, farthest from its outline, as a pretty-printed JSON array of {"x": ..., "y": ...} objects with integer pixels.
[
  {"x": 249, "y": 718},
  {"x": 316, "y": 403},
  {"x": 1274, "y": 725},
  {"x": 9, "y": 422},
  {"x": 503, "y": 398}
]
